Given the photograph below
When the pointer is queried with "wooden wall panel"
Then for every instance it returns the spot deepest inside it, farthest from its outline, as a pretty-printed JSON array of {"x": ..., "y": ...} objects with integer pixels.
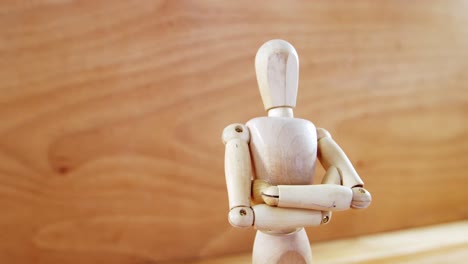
[{"x": 111, "y": 115}]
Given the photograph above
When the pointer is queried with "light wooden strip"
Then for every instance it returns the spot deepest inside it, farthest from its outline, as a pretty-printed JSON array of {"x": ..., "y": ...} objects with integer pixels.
[{"x": 445, "y": 243}]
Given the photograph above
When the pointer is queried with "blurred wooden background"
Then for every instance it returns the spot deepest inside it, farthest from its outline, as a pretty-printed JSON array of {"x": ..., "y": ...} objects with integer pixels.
[{"x": 111, "y": 115}]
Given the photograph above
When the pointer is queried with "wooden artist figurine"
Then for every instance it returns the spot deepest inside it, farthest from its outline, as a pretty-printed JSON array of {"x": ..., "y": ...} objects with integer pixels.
[{"x": 270, "y": 162}]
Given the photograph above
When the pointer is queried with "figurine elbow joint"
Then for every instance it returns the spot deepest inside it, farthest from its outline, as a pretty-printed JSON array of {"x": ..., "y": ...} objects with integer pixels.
[
  {"x": 241, "y": 217},
  {"x": 361, "y": 198}
]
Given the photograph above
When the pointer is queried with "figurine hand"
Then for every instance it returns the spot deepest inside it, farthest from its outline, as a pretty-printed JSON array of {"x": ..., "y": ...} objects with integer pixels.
[
  {"x": 263, "y": 192},
  {"x": 241, "y": 217},
  {"x": 361, "y": 198}
]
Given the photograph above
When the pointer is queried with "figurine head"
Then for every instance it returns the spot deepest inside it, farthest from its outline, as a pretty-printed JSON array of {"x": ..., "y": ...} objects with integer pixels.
[{"x": 277, "y": 68}]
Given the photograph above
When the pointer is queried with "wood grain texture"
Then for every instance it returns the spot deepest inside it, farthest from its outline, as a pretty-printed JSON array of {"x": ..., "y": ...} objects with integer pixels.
[{"x": 112, "y": 111}]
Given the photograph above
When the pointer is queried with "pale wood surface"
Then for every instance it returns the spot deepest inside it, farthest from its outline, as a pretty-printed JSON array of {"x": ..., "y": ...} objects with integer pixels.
[
  {"x": 112, "y": 111},
  {"x": 445, "y": 243}
]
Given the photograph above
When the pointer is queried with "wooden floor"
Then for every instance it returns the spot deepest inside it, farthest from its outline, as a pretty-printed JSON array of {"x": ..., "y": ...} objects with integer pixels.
[{"x": 445, "y": 243}]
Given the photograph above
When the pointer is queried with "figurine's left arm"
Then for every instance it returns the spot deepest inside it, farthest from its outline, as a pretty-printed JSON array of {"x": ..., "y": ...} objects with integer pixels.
[
  {"x": 238, "y": 171},
  {"x": 341, "y": 188},
  {"x": 335, "y": 161}
]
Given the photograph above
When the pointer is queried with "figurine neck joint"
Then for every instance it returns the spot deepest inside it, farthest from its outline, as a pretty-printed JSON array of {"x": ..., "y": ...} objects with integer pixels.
[{"x": 282, "y": 111}]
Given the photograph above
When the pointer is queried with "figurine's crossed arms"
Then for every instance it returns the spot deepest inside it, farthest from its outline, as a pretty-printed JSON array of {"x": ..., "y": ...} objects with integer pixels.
[{"x": 284, "y": 207}]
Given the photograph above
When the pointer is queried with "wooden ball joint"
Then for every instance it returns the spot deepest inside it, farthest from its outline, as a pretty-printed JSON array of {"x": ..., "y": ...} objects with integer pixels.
[{"x": 270, "y": 162}]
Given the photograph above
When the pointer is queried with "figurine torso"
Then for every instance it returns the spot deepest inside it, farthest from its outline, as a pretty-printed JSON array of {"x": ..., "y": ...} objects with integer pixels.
[{"x": 283, "y": 150}]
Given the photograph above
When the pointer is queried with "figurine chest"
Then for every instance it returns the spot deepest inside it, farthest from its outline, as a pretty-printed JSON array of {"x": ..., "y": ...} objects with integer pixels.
[{"x": 283, "y": 150}]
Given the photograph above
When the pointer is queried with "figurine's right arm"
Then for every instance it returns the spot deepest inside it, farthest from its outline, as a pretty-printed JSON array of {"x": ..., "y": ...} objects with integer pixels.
[{"x": 238, "y": 170}]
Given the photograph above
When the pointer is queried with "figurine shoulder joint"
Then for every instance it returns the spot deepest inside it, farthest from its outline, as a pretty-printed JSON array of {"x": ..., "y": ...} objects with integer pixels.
[
  {"x": 234, "y": 131},
  {"x": 322, "y": 133}
]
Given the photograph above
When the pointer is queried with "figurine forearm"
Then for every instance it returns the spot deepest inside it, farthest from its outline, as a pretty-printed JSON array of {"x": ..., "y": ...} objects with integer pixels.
[
  {"x": 275, "y": 218},
  {"x": 322, "y": 197}
]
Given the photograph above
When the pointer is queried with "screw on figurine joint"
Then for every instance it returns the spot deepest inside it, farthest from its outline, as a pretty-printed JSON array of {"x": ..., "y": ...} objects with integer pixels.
[
  {"x": 325, "y": 219},
  {"x": 239, "y": 129},
  {"x": 242, "y": 212}
]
